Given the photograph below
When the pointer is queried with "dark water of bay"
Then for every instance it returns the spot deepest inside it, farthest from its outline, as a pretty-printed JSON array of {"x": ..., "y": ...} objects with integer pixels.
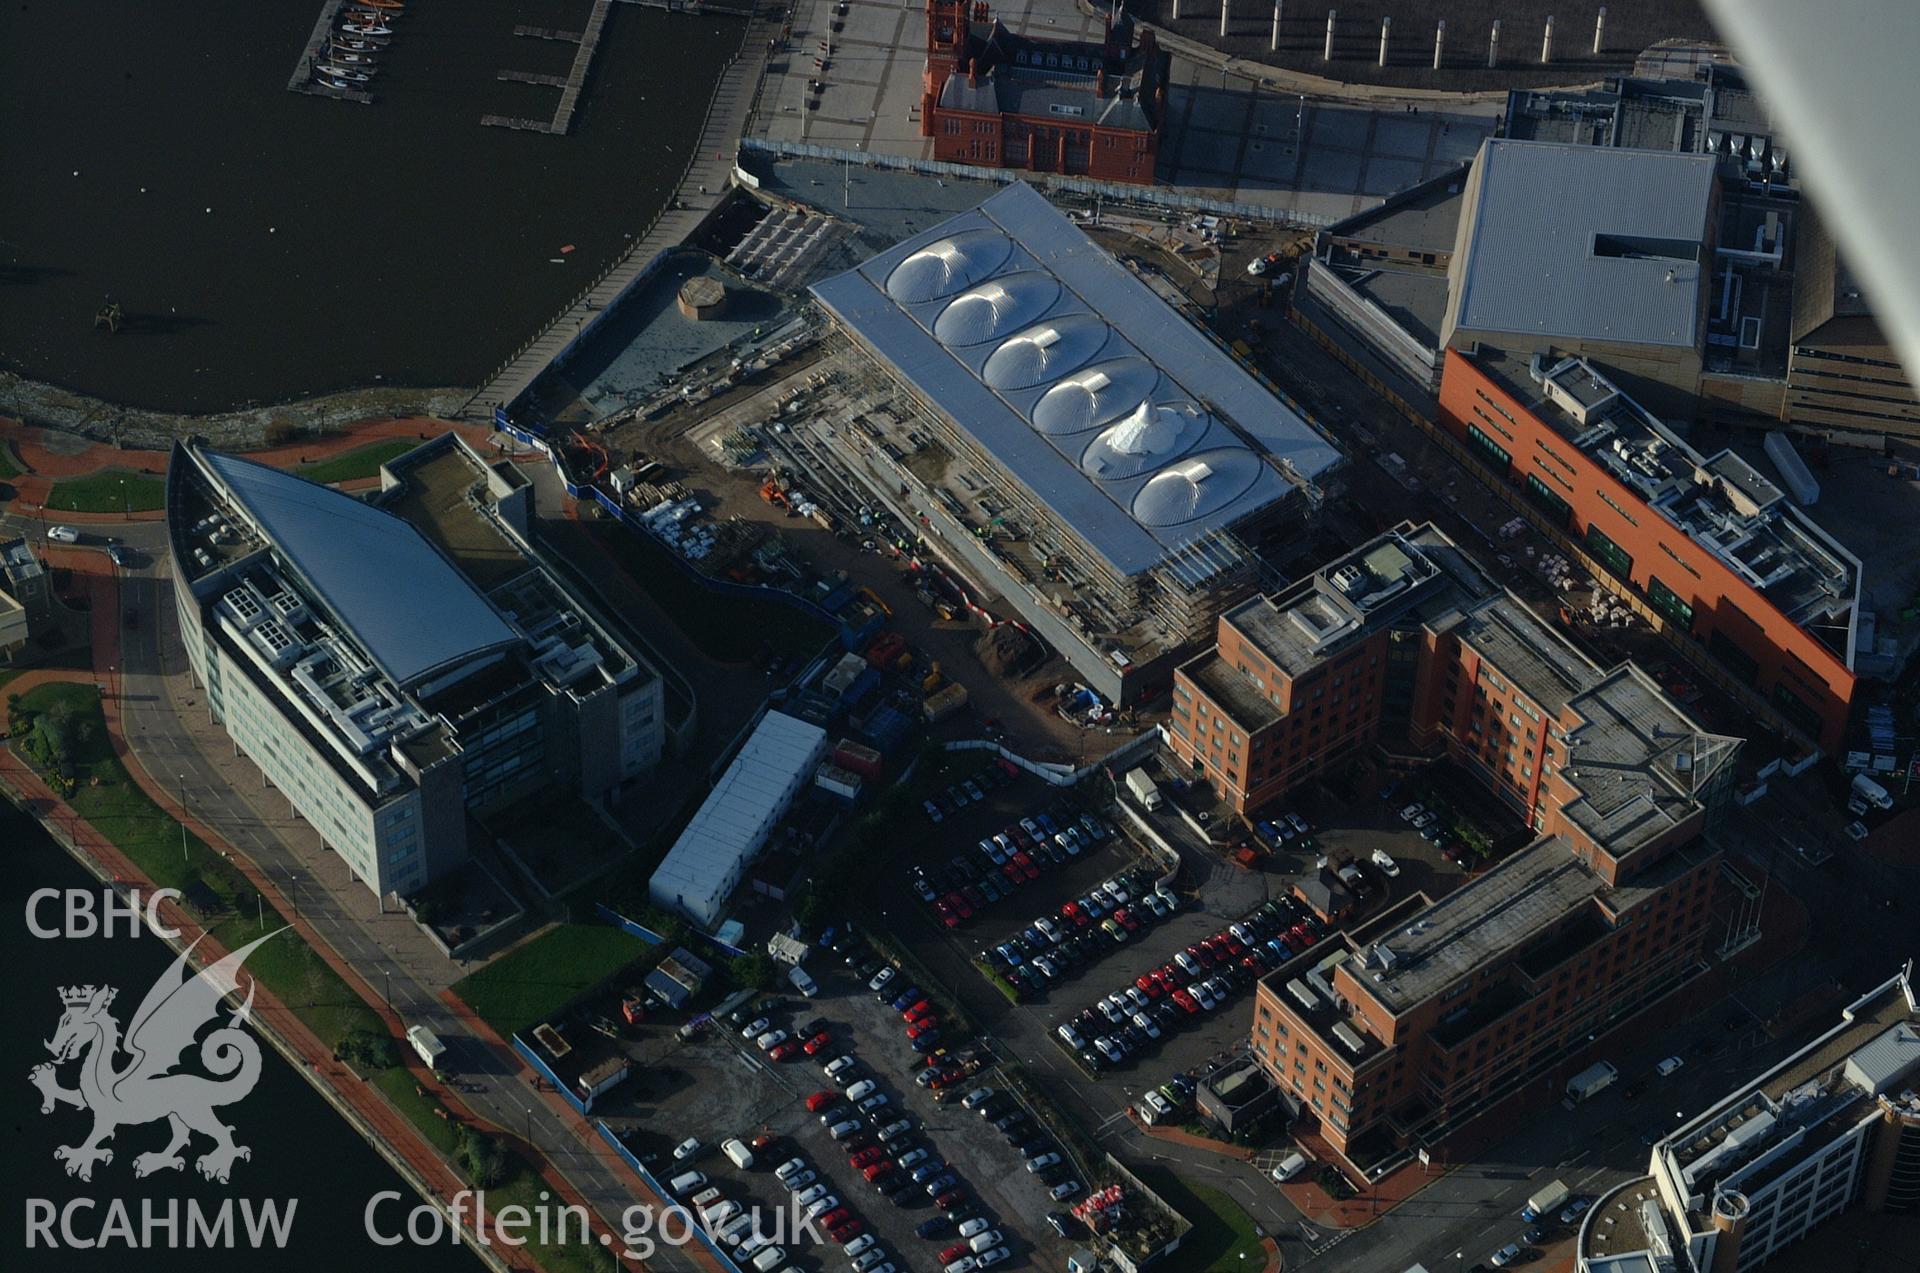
[
  {"x": 268, "y": 245},
  {"x": 302, "y": 1150}
]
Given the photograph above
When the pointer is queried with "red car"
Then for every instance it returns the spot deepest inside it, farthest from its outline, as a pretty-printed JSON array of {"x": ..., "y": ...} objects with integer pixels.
[
  {"x": 1186, "y": 1002},
  {"x": 1127, "y": 921},
  {"x": 786, "y": 1051},
  {"x": 812, "y": 1046},
  {"x": 946, "y": 1078},
  {"x": 845, "y": 1233},
  {"x": 882, "y": 1168},
  {"x": 1072, "y": 913},
  {"x": 1027, "y": 868},
  {"x": 1011, "y": 874},
  {"x": 867, "y": 1157},
  {"x": 946, "y": 913},
  {"x": 923, "y": 1025},
  {"x": 820, "y": 1100},
  {"x": 835, "y": 1218},
  {"x": 1302, "y": 935},
  {"x": 1150, "y": 985},
  {"x": 920, "y": 1008},
  {"x": 953, "y": 1253},
  {"x": 950, "y": 1199}
]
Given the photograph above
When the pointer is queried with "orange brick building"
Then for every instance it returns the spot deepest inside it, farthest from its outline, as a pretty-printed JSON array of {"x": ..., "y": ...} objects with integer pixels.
[
  {"x": 1393, "y": 1034},
  {"x": 1001, "y": 100},
  {"x": 1710, "y": 548}
]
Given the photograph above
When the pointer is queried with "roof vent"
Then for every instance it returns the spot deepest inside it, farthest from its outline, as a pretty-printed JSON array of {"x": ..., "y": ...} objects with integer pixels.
[
  {"x": 1094, "y": 382},
  {"x": 1044, "y": 337},
  {"x": 1350, "y": 579}
]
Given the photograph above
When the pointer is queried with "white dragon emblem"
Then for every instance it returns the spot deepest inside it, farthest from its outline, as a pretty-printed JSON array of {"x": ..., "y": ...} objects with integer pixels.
[{"x": 146, "y": 1088}]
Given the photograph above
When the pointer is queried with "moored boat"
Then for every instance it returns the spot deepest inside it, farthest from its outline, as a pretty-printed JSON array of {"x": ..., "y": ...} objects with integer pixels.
[
  {"x": 342, "y": 73},
  {"x": 346, "y": 57},
  {"x": 363, "y": 28},
  {"x": 330, "y": 81}
]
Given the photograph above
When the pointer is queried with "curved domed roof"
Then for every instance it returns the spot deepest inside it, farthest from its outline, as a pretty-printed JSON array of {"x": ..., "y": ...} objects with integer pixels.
[
  {"x": 1093, "y": 396},
  {"x": 944, "y": 267},
  {"x": 991, "y": 309},
  {"x": 1044, "y": 352},
  {"x": 1196, "y": 486},
  {"x": 1146, "y": 438}
]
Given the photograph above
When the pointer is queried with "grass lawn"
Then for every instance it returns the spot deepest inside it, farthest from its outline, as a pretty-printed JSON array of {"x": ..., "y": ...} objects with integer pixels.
[
  {"x": 397, "y": 1083},
  {"x": 113, "y": 491},
  {"x": 526, "y": 1188},
  {"x": 362, "y": 461},
  {"x": 524, "y": 986},
  {"x": 728, "y": 628},
  {"x": 1222, "y": 1237},
  {"x": 9, "y": 467}
]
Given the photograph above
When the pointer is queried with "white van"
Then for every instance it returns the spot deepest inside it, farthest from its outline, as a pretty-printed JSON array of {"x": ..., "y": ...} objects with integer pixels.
[
  {"x": 735, "y": 1229},
  {"x": 63, "y": 534},
  {"x": 737, "y": 1153},
  {"x": 984, "y": 1241},
  {"x": 769, "y": 1260},
  {"x": 1289, "y": 1167},
  {"x": 685, "y": 1183},
  {"x": 802, "y": 982}
]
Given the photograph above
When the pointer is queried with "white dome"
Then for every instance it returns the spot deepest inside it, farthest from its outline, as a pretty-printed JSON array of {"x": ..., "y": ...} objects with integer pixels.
[
  {"x": 1144, "y": 439},
  {"x": 1093, "y": 396},
  {"x": 1195, "y": 487},
  {"x": 1045, "y": 352},
  {"x": 991, "y": 309},
  {"x": 943, "y": 268}
]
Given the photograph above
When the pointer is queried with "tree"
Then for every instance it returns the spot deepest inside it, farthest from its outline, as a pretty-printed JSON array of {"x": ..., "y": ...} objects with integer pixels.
[
  {"x": 481, "y": 1157},
  {"x": 368, "y": 1049},
  {"x": 812, "y": 910},
  {"x": 756, "y": 971}
]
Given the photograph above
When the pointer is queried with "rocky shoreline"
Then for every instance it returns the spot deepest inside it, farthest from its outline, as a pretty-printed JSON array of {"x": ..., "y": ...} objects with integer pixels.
[{"x": 49, "y": 406}]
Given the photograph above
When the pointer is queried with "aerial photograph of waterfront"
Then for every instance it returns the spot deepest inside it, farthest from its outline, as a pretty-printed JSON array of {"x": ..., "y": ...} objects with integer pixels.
[{"x": 775, "y": 636}]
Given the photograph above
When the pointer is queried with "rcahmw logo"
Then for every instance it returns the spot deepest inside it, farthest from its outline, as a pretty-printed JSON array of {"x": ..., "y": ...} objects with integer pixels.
[{"x": 136, "y": 1078}]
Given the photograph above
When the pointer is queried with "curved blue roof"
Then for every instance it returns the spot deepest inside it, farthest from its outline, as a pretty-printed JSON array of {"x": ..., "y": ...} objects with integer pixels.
[{"x": 406, "y": 605}]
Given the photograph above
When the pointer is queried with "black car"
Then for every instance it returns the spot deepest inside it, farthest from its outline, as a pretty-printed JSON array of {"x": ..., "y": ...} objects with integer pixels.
[
  {"x": 1035, "y": 1147},
  {"x": 1064, "y": 1225},
  {"x": 938, "y": 1227},
  {"x": 1005, "y": 1121}
]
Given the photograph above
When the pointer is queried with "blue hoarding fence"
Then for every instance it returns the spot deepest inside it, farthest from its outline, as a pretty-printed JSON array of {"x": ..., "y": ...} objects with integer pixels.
[{"x": 546, "y": 1071}]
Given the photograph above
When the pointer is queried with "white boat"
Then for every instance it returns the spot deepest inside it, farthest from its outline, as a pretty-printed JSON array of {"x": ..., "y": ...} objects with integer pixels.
[
  {"x": 345, "y": 57},
  {"x": 329, "y": 81},
  {"x": 358, "y": 45},
  {"x": 362, "y": 28},
  {"x": 342, "y": 73}
]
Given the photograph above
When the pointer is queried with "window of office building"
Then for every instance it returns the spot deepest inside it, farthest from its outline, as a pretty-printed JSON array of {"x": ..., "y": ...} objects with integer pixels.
[
  {"x": 1549, "y": 499},
  {"x": 1743, "y": 665},
  {"x": 1608, "y": 553},
  {"x": 1491, "y": 451},
  {"x": 1669, "y": 603}
]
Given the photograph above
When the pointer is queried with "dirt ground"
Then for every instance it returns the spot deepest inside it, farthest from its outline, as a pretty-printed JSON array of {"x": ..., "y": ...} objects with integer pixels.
[{"x": 1032, "y": 729}]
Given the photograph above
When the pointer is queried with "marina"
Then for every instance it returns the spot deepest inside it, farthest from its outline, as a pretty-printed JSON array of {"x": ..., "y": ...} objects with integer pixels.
[
  {"x": 339, "y": 59},
  {"x": 700, "y": 191},
  {"x": 570, "y": 85}
]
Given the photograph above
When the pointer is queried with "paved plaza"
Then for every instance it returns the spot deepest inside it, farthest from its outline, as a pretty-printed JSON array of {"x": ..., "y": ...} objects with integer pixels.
[{"x": 1229, "y": 138}]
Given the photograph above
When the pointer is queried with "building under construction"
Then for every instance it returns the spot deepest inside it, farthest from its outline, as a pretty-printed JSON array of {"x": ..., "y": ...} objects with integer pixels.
[{"x": 1066, "y": 438}]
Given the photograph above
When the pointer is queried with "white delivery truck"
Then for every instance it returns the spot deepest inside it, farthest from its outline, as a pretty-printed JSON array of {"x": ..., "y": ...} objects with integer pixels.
[
  {"x": 1140, "y": 783},
  {"x": 1545, "y": 1202},
  {"x": 427, "y": 1044},
  {"x": 1591, "y": 1081},
  {"x": 1871, "y": 792}
]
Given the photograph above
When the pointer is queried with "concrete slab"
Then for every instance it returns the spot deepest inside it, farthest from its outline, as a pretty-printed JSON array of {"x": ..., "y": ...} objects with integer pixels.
[
  {"x": 1342, "y": 126},
  {"x": 1385, "y": 174},
  {"x": 1333, "y": 170},
  {"x": 1404, "y": 136}
]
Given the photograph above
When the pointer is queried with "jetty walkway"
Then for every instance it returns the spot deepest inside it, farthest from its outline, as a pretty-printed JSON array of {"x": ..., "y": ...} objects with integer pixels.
[{"x": 702, "y": 185}]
